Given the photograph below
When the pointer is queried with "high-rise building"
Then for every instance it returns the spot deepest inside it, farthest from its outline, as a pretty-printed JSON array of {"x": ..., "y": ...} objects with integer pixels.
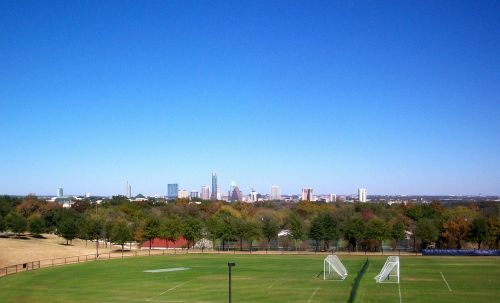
[
  {"x": 253, "y": 196},
  {"x": 60, "y": 192},
  {"x": 236, "y": 194},
  {"x": 173, "y": 191},
  {"x": 362, "y": 194},
  {"x": 183, "y": 194},
  {"x": 205, "y": 192},
  {"x": 333, "y": 198},
  {"x": 194, "y": 195},
  {"x": 307, "y": 194},
  {"x": 214, "y": 195},
  {"x": 275, "y": 193},
  {"x": 128, "y": 190}
]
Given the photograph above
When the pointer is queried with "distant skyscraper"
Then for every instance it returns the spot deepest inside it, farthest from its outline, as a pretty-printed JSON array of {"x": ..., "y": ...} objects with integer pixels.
[
  {"x": 333, "y": 198},
  {"x": 253, "y": 196},
  {"x": 60, "y": 192},
  {"x": 362, "y": 194},
  {"x": 214, "y": 188},
  {"x": 183, "y": 194},
  {"x": 173, "y": 191},
  {"x": 236, "y": 194},
  {"x": 205, "y": 192},
  {"x": 194, "y": 195},
  {"x": 128, "y": 190},
  {"x": 275, "y": 193},
  {"x": 307, "y": 194}
]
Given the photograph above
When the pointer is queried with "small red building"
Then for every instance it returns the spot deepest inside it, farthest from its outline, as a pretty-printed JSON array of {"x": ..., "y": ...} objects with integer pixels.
[{"x": 158, "y": 243}]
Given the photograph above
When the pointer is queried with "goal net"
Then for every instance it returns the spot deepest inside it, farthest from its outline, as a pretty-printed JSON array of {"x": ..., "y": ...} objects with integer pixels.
[
  {"x": 390, "y": 271},
  {"x": 333, "y": 269}
]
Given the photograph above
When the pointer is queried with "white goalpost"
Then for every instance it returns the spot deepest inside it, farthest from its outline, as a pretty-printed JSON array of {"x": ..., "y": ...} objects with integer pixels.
[
  {"x": 390, "y": 271},
  {"x": 333, "y": 269}
]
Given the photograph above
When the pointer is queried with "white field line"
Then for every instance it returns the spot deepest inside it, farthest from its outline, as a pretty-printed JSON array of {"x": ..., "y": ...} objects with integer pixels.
[
  {"x": 272, "y": 284},
  {"x": 172, "y": 288},
  {"x": 313, "y": 294},
  {"x": 399, "y": 288},
  {"x": 449, "y": 288}
]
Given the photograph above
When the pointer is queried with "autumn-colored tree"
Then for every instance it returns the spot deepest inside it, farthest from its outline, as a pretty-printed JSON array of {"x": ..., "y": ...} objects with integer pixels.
[
  {"x": 29, "y": 205},
  {"x": 455, "y": 230}
]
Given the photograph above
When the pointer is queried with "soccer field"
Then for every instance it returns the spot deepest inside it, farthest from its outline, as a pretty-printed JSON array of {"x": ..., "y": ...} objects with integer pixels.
[{"x": 256, "y": 278}]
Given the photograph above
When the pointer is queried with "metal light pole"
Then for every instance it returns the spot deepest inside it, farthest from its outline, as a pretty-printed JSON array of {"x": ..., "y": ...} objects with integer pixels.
[{"x": 229, "y": 265}]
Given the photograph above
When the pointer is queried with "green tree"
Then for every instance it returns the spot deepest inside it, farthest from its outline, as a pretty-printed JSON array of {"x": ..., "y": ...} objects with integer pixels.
[
  {"x": 226, "y": 227},
  {"x": 330, "y": 229},
  {"x": 36, "y": 225},
  {"x": 93, "y": 226},
  {"x": 427, "y": 231},
  {"x": 316, "y": 231},
  {"x": 171, "y": 229},
  {"x": 151, "y": 230},
  {"x": 2, "y": 224},
  {"x": 377, "y": 230},
  {"x": 354, "y": 230},
  {"x": 16, "y": 223},
  {"x": 252, "y": 231},
  {"x": 479, "y": 231},
  {"x": 269, "y": 229},
  {"x": 239, "y": 227},
  {"x": 192, "y": 230},
  {"x": 297, "y": 229},
  {"x": 68, "y": 229},
  {"x": 398, "y": 231},
  {"x": 121, "y": 232}
]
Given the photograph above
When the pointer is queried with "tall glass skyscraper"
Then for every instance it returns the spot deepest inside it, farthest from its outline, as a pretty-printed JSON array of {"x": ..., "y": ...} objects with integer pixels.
[
  {"x": 213, "y": 197},
  {"x": 173, "y": 191}
]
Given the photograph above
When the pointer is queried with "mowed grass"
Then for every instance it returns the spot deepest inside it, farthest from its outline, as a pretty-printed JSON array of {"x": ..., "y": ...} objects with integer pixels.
[
  {"x": 471, "y": 279},
  {"x": 256, "y": 278}
]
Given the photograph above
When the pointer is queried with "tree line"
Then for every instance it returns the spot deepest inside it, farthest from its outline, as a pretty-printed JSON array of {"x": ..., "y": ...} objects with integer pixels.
[{"x": 239, "y": 225}]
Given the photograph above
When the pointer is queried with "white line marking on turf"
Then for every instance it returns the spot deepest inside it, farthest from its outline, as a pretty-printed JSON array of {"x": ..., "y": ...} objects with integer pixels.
[
  {"x": 172, "y": 288},
  {"x": 449, "y": 288},
  {"x": 399, "y": 288},
  {"x": 272, "y": 284},
  {"x": 313, "y": 294}
]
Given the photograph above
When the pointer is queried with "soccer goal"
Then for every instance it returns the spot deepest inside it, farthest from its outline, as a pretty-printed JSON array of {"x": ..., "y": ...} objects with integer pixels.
[
  {"x": 333, "y": 269},
  {"x": 390, "y": 271}
]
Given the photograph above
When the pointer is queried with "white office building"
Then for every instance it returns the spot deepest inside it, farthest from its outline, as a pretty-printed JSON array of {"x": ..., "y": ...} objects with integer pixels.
[
  {"x": 362, "y": 194},
  {"x": 307, "y": 194},
  {"x": 275, "y": 193},
  {"x": 183, "y": 194},
  {"x": 205, "y": 192},
  {"x": 253, "y": 196}
]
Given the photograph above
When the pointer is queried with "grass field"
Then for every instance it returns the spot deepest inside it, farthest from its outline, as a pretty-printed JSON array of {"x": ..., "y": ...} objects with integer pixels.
[{"x": 256, "y": 278}]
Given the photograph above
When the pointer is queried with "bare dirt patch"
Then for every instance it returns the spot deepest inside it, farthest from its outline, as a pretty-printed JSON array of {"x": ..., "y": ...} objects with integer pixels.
[{"x": 16, "y": 251}]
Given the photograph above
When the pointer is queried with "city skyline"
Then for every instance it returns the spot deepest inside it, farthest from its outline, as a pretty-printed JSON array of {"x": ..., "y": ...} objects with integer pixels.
[{"x": 397, "y": 97}]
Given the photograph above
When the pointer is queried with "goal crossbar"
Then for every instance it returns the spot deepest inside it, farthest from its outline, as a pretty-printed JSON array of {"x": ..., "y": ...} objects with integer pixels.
[
  {"x": 333, "y": 267},
  {"x": 389, "y": 270}
]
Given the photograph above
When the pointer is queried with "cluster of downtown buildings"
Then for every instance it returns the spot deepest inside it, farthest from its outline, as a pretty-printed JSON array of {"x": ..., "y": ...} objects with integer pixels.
[{"x": 234, "y": 193}]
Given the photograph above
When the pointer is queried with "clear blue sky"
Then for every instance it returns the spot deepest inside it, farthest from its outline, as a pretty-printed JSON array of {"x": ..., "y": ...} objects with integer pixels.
[{"x": 395, "y": 96}]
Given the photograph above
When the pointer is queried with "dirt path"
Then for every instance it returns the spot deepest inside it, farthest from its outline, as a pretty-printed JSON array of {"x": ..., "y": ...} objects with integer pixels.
[{"x": 16, "y": 251}]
